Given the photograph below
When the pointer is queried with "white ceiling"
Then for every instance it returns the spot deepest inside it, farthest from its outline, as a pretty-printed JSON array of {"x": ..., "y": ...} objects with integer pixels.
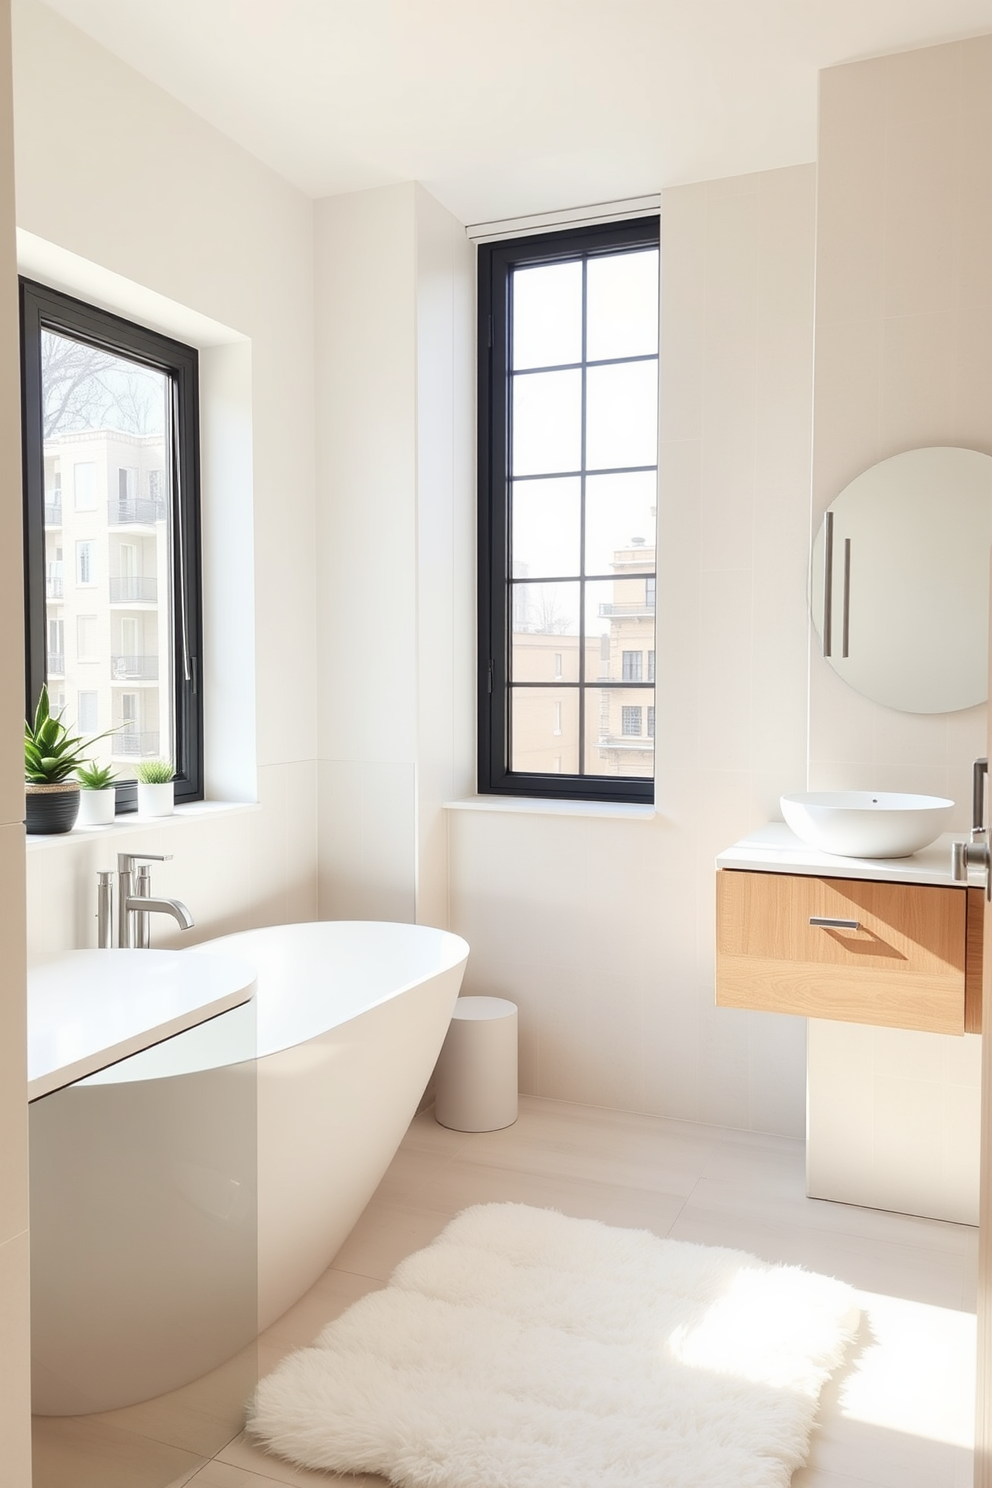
[{"x": 516, "y": 107}]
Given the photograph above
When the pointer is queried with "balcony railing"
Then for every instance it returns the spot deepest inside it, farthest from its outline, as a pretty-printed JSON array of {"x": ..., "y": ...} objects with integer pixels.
[
  {"x": 54, "y": 588},
  {"x": 53, "y": 514},
  {"x": 135, "y": 745},
  {"x": 133, "y": 591},
  {"x": 134, "y": 668},
  {"x": 139, "y": 510},
  {"x": 56, "y": 663},
  {"x": 638, "y": 607}
]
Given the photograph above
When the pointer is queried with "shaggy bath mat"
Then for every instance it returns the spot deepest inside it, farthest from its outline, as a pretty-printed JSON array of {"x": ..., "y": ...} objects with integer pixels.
[{"x": 523, "y": 1349}]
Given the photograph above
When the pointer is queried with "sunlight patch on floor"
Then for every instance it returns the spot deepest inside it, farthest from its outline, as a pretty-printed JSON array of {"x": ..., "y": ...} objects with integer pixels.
[{"x": 915, "y": 1372}]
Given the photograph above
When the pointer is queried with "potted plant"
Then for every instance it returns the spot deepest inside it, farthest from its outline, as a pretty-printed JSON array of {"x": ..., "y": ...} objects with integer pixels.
[
  {"x": 155, "y": 787},
  {"x": 51, "y": 757},
  {"x": 97, "y": 797}
]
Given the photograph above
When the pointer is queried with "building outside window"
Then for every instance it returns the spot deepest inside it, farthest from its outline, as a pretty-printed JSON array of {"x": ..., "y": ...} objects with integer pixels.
[
  {"x": 111, "y": 409},
  {"x": 631, "y": 721},
  {"x": 632, "y": 666},
  {"x": 568, "y": 500},
  {"x": 83, "y": 485},
  {"x": 89, "y": 712}
]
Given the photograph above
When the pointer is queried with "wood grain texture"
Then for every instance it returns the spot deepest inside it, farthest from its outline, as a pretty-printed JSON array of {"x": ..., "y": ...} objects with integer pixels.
[
  {"x": 974, "y": 961},
  {"x": 904, "y": 967}
]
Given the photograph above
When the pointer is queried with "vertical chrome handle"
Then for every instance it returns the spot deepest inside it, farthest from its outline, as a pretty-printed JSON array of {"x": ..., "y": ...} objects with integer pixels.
[
  {"x": 845, "y": 623},
  {"x": 979, "y": 777},
  {"x": 142, "y": 925},
  {"x": 105, "y": 910},
  {"x": 828, "y": 581}
]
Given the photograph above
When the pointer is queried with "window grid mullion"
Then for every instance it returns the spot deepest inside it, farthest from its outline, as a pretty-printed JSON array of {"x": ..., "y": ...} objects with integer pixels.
[{"x": 582, "y": 531}]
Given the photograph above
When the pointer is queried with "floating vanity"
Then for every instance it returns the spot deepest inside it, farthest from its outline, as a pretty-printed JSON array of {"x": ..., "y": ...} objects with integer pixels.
[{"x": 884, "y": 957}]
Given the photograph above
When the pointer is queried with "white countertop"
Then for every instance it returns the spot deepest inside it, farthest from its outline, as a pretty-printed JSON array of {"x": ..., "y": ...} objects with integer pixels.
[
  {"x": 776, "y": 849},
  {"x": 88, "y": 1009}
]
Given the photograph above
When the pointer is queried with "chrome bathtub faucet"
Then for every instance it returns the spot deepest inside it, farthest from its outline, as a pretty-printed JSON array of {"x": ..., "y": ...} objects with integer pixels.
[{"x": 135, "y": 903}]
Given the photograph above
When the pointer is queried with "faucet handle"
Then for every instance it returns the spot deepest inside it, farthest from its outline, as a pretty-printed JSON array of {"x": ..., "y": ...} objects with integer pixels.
[{"x": 126, "y": 861}]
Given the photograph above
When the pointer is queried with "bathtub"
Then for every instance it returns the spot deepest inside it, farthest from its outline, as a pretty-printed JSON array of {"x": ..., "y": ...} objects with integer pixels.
[{"x": 148, "y": 1269}]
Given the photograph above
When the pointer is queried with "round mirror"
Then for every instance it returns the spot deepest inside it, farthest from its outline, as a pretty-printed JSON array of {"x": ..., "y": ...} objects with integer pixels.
[{"x": 900, "y": 580}]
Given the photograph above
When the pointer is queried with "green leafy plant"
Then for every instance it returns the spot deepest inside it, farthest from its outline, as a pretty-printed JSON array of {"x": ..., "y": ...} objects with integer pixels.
[
  {"x": 95, "y": 777},
  {"x": 155, "y": 772},
  {"x": 51, "y": 753}
]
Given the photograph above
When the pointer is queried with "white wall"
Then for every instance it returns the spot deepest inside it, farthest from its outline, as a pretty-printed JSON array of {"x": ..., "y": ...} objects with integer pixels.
[
  {"x": 601, "y": 929},
  {"x": 903, "y": 339},
  {"x": 395, "y": 547},
  {"x": 115, "y": 172}
]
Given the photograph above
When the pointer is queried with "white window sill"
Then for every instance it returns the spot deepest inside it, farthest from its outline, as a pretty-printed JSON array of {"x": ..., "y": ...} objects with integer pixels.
[
  {"x": 539, "y": 806},
  {"x": 132, "y": 824}
]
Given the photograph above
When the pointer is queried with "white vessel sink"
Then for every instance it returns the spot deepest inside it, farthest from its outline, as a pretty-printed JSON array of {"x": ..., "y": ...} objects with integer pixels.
[{"x": 867, "y": 824}]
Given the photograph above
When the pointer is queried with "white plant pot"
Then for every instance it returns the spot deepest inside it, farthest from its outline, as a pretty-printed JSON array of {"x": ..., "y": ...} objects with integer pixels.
[
  {"x": 96, "y": 807},
  {"x": 156, "y": 800}
]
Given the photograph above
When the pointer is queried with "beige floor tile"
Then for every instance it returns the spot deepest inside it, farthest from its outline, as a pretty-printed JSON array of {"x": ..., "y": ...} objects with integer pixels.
[
  {"x": 385, "y": 1234},
  {"x": 80, "y": 1452},
  {"x": 243, "y": 1454},
  {"x": 202, "y": 1417}
]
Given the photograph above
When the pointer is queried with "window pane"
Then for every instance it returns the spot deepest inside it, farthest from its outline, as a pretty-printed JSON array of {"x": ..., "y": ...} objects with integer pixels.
[
  {"x": 547, "y": 422},
  {"x": 622, "y": 305},
  {"x": 545, "y": 632},
  {"x": 621, "y": 416},
  {"x": 546, "y": 528},
  {"x": 105, "y": 435},
  {"x": 620, "y": 514},
  {"x": 544, "y": 730},
  {"x": 617, "y": 738},
  {"x": 620, "y": 628},
  {"x": 547, "y": 316}
]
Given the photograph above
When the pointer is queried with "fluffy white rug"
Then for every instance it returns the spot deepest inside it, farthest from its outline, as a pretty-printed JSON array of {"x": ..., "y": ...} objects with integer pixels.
[{"x": 524, "y": 1349}]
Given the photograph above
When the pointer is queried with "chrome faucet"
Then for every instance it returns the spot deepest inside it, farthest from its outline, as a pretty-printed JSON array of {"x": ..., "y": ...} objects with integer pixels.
[{"x": 135, "y": 901}]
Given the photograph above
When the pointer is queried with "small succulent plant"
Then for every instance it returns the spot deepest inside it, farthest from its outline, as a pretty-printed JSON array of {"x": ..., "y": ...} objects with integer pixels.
[
  {"x": 155, "y": 772},
  {"x": 95, "y": 777},
  {"x": 51, "y": 753}
]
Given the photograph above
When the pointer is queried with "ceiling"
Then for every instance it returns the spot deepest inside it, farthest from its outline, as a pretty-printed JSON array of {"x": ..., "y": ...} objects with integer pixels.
[{"x": 526, "y": 106}]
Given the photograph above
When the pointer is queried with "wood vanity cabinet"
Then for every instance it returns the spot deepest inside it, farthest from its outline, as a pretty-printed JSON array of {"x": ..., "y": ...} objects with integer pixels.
[{"x": 912, "y": 960}]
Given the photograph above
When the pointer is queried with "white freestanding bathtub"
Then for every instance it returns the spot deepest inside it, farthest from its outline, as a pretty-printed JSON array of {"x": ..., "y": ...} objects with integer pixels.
[
  {"x": 351, "y": 1018},
  {"x": 144, "y": 1175}
]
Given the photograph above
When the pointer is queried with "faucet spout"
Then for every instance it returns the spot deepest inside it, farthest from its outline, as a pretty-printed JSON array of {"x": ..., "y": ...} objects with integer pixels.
[{"x": 149, "y": 904}]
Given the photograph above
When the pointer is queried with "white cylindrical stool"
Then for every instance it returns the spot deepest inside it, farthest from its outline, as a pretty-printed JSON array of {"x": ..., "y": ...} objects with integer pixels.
[{"x": 476, "y": 1078}]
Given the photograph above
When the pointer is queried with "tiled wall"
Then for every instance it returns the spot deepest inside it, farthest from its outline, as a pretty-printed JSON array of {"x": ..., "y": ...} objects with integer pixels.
[
  {"x": 903, "y": 348},
  {"x": 602, "y": 929},
  {"x": 903, "y": 359}
]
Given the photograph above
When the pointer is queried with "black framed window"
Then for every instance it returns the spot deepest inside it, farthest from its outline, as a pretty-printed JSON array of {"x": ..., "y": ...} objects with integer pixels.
[
  {"x": 568, "y": 464},
  {"x": 110, "y": 438}
]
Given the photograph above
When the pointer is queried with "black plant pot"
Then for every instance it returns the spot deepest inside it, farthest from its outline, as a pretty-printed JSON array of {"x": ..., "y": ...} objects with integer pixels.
[{"x": 51, "y": 808}]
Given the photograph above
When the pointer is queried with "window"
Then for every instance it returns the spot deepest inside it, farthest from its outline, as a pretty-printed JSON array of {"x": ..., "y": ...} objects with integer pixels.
[
  {"x": 632, "y": 666},
  {"x": 650, "y": 723},
  {"x": 116, "y": 406},
  {"x": 568, "y": 500},
  {"x": 650, "y": 666},
  {"x": 631, "y": 722},
  {"x": 89, "y": 712},
  {"x": 85, "y": 563}
]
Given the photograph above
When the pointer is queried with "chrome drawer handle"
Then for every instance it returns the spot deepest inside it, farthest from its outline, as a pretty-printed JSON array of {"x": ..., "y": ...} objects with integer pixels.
[{"x": 828, "y": 924}]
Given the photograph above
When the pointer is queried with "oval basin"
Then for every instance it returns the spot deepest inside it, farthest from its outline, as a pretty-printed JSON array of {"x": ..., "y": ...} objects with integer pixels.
[{"x": 867, "y": 824}]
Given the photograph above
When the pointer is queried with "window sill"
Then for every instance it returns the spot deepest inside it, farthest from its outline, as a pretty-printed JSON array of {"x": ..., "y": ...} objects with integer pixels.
[
  {"x": 540, "y": 806},
  {"x": 132, "y": 823}
]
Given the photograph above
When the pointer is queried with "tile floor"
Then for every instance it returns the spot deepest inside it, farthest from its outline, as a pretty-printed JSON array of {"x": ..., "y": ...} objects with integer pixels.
[{"x": 898, "y": 1415}]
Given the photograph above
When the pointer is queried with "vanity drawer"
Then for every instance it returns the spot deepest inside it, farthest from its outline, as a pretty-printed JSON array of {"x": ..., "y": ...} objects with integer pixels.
[{"x": 903, "y": 966}]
